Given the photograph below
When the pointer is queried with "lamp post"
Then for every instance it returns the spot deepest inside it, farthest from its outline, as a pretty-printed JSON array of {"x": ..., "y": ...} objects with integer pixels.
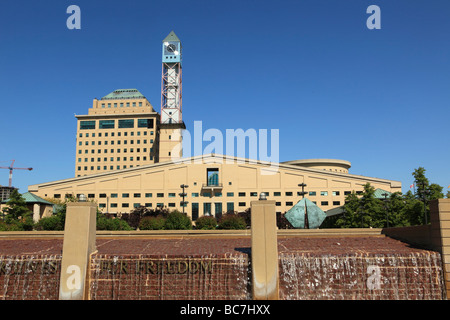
[
  {"x": 82, "y": 198},
  {"x": 183, "y": 194},
  {"x": 424, "y": 194},
  {"x": 385, "y": 208},
  {"x": 303, "y": 192}
]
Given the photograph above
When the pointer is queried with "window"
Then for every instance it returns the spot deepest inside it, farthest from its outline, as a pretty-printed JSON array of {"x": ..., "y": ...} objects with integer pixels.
[
  {"x": 336, "y": 203},
  {"x": 336, "y": 193},
  {"x": 113, "y": 195},
  {"x": 207, "y": 208},
  {"x": 102, "y": 195},
  {"x": 145, "y": 123},
  {"x": 160, "y": 195},
  {"x": 194, "y": 194},
  {"x": 148, "y": 205},
  {"x": 212, "y": 176},
  {"x": 289, "y": 203},
  {"x": 171, "y": 195},
  {"x": 230, "y": 206},
  {"x": 136, "y": 205},
  {"x": 125, "y": 195},
  {"x": 253, "y": 194},
  {"x": 125, "y": 205},
  {"x": 277, "y": 194},
  {"x": 106, "y": 124},
  {"x": 137, "y": 195},
  {"x": 278, "y": 204},
  {"x": 289, "y": 193},
  {"x": 194, "y": 211},
  {"x": 113, "y": 205},
  {"x": 241, "y": 194},
  {"x": 312, "y": 193},
  {"x": 323, "y": 193},
  {"x": 171, "y": 204},
  {"x": 84, "y": 125},
  {"x": 127, "y": 123},
  {"x": 241, "y": 204},
  {"x": 148, "y": 195},
  {"x": 218, "y": 210},
  {"x": 230, "y": 194},
  {"x": 324, "y": 203}
]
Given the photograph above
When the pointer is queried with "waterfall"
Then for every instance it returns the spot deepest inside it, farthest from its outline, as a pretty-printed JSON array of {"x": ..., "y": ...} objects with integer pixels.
[
  {"x": 361, "y": 276},
  {"x": 30, "y": 277}
]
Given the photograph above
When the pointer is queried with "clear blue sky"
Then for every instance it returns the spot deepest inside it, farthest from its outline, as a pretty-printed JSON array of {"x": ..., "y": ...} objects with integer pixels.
[{"x": 334, "y": 88}]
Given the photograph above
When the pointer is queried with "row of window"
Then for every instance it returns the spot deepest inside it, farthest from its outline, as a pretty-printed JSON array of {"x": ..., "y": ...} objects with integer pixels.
[
  {"x": 125, "y": 150},
  {"x": 111, "y": 167},
  {"x": 99, "y": 142},
  {"x": 112, "y": 159},
  {"x": 193, "y": 194},
  {"x": 121, "y": 104},
  {"x": 111, "y": 124},
  {"x": 230, "y": 205},
  {"x": 119, "y": 134}
]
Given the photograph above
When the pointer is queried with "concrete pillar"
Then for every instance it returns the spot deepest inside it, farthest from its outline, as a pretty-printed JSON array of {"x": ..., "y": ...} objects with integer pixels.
[
  {"x": 36, "y": 212},
  {"x": 79, "y": 243},
  {"x": 265, "y": 278},
  {"x": 440, "y": 234}
]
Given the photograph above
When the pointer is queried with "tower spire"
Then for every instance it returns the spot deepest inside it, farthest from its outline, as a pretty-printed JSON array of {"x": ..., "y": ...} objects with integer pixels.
[{"x": 171, "y": 124}]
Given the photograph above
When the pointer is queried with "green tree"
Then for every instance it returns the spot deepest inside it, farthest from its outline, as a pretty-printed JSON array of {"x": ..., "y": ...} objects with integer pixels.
[
  {"x": 425, "y": 192},
  {"x": 351, "y": 217},
  {"x": 395, "y": 210},
  {"x": 17, "y": 212},
  {"x": 177, "y": 221}
]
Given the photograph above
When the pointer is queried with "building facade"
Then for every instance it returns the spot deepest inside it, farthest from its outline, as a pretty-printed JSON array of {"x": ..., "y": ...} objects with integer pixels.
[
  {"x": 216, "y": 184},
  {"x": 120, "y": 131}
]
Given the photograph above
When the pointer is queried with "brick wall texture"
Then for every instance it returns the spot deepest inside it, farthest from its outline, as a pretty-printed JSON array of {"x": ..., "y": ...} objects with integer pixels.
[{"x": 169, "y": 269}]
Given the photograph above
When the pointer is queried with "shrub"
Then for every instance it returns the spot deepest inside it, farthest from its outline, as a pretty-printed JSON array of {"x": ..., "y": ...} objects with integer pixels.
[
  {"x": 152, "y": 223},
  {"x": 177, "y": 221},
  {"x": 232, "y": 222},
  {"x": 52, "y": 223},
  {"x": 206, "y": 223},
  {"x": 104, "y": 223}
]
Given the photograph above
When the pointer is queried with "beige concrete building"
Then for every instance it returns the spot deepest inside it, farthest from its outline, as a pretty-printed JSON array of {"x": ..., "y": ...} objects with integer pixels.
[
  {"x": 217, "y": 184},
  {"x": 120, "y": 131}
]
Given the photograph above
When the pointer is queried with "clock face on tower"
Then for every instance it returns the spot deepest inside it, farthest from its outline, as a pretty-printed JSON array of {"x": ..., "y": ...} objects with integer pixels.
[{"x": 171, "y": 48}]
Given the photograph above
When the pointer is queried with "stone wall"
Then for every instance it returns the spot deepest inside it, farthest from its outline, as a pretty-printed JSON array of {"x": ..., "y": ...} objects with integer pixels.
[
  {"x": 30, "y": 277},
  {"x": 144, "y": 277}
]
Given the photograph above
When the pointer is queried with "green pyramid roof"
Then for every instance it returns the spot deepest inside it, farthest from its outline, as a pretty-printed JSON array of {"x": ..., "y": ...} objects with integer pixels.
[
  {"x": 124, "y": 94},
  {"x": 32, "y": 198},
  {"x": 171, "y": 37},
  {"x": 296, "y": 215},
  {"x": 379, "y": 193}
]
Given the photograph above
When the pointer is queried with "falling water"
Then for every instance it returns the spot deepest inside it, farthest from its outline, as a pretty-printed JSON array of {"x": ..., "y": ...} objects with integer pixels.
[
  {"x": 416, "y": 275},
  {"x": 169, "y": 277},
  {"x": 30, "y": 277}
]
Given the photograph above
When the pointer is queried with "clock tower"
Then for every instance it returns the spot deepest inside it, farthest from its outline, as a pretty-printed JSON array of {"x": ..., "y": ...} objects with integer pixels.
[{"x": 171, "y": 122}]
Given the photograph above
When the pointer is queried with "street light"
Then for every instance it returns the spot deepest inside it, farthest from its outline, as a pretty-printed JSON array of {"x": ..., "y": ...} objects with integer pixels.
[
  {"x": 82, "y": 198},
  {"x": 183, "y": 194},
  {"x": 303, "y": 192},
  {"x": 385, "y": 208},
  {"x": 262, "y": 196}
]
